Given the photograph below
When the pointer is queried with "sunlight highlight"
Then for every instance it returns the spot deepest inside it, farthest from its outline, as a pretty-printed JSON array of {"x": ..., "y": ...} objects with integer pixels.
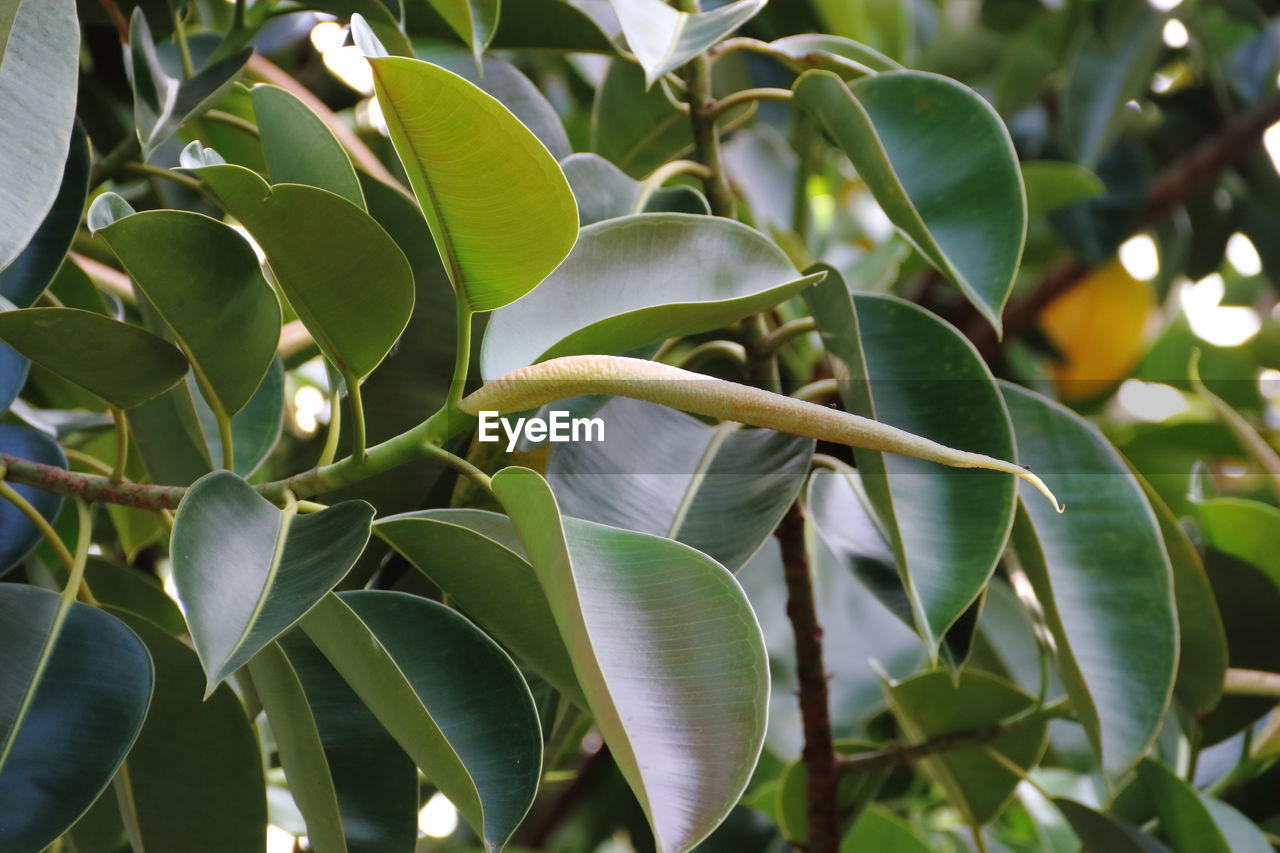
[
  {"x": 1151, "y": 401},
  {"x": 1140, "y": 257},
  {"x": 1212, "y": 322},
  {"x": 344, "y": 61},
  {"x": 1243, "y": 255},
  {"x": 1175, "y": 34},
  {"x": 279, "y": 841},
  {"x": 308, "y": 404},
  {"x": 438, "y": 818}
]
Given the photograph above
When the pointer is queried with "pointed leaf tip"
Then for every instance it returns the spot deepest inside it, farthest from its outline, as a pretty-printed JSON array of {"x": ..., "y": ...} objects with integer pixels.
[
  {"x": 105, "y": 210},
  {"x": 362, "y": 34}
]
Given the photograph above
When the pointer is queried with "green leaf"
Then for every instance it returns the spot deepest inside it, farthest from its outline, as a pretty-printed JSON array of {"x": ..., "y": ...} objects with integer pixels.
[
  {"x": 114, "y": 361},
  {"x": 877, "y": 828},
  {"x": 604, "y": 192},
  {"x": 13, "y": 375},
  {"x": 1184, "y": 820},
  {"x": 639, "y": 279},
  {"x": 719, "y": 489},
  {"x": 132, "y": 590},
  {"x": 854, "y": 790},
  {"x": 1100, "y": 831},
  {"x": 899, "y": 364},
  {"x": 663, "y": 38},
  {"x": 247, "y": 571},
  {"x": 194, "y": 777},
  {"x": 682, "y": 702},
  {"x": 635, "y": 129},
  {"x": 886, "y": 25},
  {"x": 344, "y": 276},
  {"x": 447, "y": 693},
  {"x": 844, "y": 56},
  {"x": 939, "y": 161},
  {"x": 163, "y": 103},
  {"x": 510, "y": 87},
  {"x": 504, "y": 597},
  {"x": 39, "y": 65},
  {"x": 1102, "y": 576},
  {"x": 940, "y": 703},
  {"x": 356, "y": 789},
  {"x": 300, "y": 148},
  {"x": 1243, "y": 529},
  {"x": 204, "y": 280},
  {"x": 1053, "y": 185},
  {"x": 475, "y": 21},
  {"x": 497, "y": 251},
  {"x": 74, "y": 689},
  {"x": 18, "y": 535},
  {"x": 22, "y": 281},
  {"x": 255, "y": 429}
]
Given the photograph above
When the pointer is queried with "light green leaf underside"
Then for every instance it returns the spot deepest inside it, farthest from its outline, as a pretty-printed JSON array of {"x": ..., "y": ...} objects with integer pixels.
[{"x": 663, "y": 38}]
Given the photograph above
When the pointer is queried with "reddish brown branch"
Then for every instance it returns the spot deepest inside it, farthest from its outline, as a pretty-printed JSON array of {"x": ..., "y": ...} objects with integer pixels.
[
  {"x": 117, "y": 19},
  {"x": 819, "y": 750},
  {"x": 1193, "y": 172}
]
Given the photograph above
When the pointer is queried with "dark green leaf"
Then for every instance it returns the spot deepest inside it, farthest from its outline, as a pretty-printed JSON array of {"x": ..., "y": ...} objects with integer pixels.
[
  {"x": 1184, "y": 820},
  {"x": 634, "y": 129},
  {"x": 18, "y": 535},
  {"x": 1053, "y": 185},
  {"x": 939, "y": 161},
  {"x": 447, "y": 693},
  {"x": 639, "y": 279},
  {"x": 117, "y": 362},
  {"x": 1102, "y": 576},
  {"x": 682, "y": 702},
  {"x": 194, "y": 777},
  {"x": 719, "y": 489},
  {"x": 300, "y": 148},
  {"x": 878, "y": 828},
  {"x": 74, "y": 689},
  {"x": 1101, "y": 832},
  {"x": 39, "y": 61},
  {"x": 247, "y": 571}
]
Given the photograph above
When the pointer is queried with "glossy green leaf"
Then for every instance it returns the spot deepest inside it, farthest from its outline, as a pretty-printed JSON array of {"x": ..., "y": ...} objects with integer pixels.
[
  {"x": 663, "y": 38},
  {"x": 300, "y": 148},
  {"x": 1244, "y": 529},
  {"x": 939, "y": 161},
  {"x": 39, "y": 63},
  {"x": 1054, "y": 185},
  {"x": 1242, "y": 835},
  {"x": 132, "y": 590},
  {"x": 247, "y": 571},
  {"x": 1184, "y": 820},
  {"x": 497, "y": 251},
  {"x": 475, "y": 21},
  {"x": 447, "y": 693},
  {"x": 901, "y": 365},
  {"x": 194, "y": 777},
  {"x": 635, "y": 129},
  {"x": 13, "y": 375},
  {"x": 163, "y": 103},
  {"x": 22, "y": 281},
  {"x": 681, "y": 701},
  {"x": 356, "y": 789},
  {"x": 844, "y": 56},
  {"x": 204, "y": 280},
  {"x": 167, "y": 435},
  {"x": 510, "y": 87},
  {"x": 344, "y": 276},
  {"x": 938, "y": 703},
  {"x": 878, "y": 828},
  {"x": 719, "y": 489},
  {"x": 74, "y": 690},
  {"x": 1102, "y": 576},
  {"x": 604, "y": 192},
  {"x": 114, "y": 361},
  {"x": 18, "y": 535},
  {"x": 1100, "y": 831},
  {"x": 639, "y": 279},
  {"x": 476, "y": 557}
]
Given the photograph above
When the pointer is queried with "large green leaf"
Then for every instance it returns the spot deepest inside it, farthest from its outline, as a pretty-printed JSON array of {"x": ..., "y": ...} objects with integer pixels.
[
  {"x": 300, "y": 148},
  {"x": 1101, "y": 573},
  {"x": 247, "y": 571},
  {"x": 161, "y": 102},
  {"x": 114, "y": 361},
  {"x": 356, "y": 789},
  {"x": 940, "y": 703},
  {"x": 719, "y": 489},
  {"x": 635, "y": 129},
  {"x": 447, "y": 693},
  {"x": 666, "y": 649},
  {"x": 663, "y": 38},
  {"x": 18, "y": 535},
  {"x": 877, "y": 828},
  {"x": 939, "y": 161},
  {"x": 204, "y": 280},
  {"x": 604, "y": 191},
  {"x": 509, "y": 86},
  {"x": 1100, "y": 831},
  {"x": 194, "y": 777},
  {"x": 39, "y": 63},
  {"x": 74, "y": 689},
  {"x": 344, "y": 276},
  {"x": 638, "y": 279},
  {"x": 22, "y": 281},
  {"x": 901, "y": 365},
  {"x": 460, "y": 146},
  {"x": 476, "y": 557}
]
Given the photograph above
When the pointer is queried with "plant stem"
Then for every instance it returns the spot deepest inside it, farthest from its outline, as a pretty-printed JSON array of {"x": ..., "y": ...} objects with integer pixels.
[
  {"x": 462, "y": 466},
  {"x": 819, "y": 749},
  {"x": 122, "y": 444},
  {"x": 330, "y": 450},
  {"x": 237, "y": 18},
  {"x": 708, "y": 350},
  {"x": 117, "y": 19},
  {"x": 111, "y": 162},
  {"x": 819, "y": 389},
  {"x": 88, "y": 461},
  {"x": 780, "y": 336},
  {"x": 664, "y": 173},
  {"x": 358, "y": 438},
  {"x": 232, "y": 120},
  {"x": 706, "y": 138},
  {"x": 166, "y": 174},
  {"x": 461, "y": 355},
  {"x": 1252, "y": 682},
  {"x": 746, "y": 96},
  {"x": 184, "y": 50}
]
